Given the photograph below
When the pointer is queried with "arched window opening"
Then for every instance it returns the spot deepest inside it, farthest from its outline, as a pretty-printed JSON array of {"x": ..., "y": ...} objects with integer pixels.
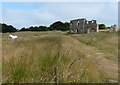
[{"x": 78, "y": 23}]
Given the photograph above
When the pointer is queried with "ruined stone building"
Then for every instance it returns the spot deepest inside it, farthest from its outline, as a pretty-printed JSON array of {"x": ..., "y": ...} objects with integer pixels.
[
  {"x": 113, "y": 28},
  {"x": 83, "y": 26}
]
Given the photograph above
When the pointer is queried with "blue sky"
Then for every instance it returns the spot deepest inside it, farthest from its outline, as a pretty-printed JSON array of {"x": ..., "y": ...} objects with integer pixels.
[{"x": 26, "y": 14}]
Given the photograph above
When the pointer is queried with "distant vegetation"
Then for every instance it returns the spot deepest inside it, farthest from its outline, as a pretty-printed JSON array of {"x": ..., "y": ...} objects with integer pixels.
[
  {"x": 103, "y": 26},
  {"x": 60, "y": 26},
  {"x": 4, "y": 28},
  {"x": 55, "y": 26},
  {"x": 7, "y": 28},
  {"x": 40, "y": 28}
]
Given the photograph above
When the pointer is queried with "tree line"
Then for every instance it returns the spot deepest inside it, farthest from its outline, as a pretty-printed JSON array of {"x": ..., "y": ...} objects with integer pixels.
[
  {"x": 7, "y": 28},
  {"x": 55, "y": 26}
]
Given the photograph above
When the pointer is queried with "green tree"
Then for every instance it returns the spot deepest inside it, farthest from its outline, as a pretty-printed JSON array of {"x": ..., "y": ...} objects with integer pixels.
[
  {"x": 22, "y": 29},
  {"x": 102, "y": 26},
  {"x": 108, "y": 27},
  {"x": 8, "y": 28},
  {"x": 55, "y": 26},
  {"x": 59, "y": 26},
  {"x": 67, "y": 26},
  {"x": 31, "y": 28},
  {"x": 43, "y": 28}
]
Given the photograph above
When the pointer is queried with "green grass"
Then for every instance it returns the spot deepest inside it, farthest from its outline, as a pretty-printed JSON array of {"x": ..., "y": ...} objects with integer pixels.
[
  {"x": 106, "y": 42},
  {"x": 33, "y": 57}
]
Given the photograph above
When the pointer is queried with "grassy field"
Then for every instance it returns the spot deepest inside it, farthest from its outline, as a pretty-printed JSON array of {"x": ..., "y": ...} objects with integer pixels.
[{"x": 49, "y": 57}]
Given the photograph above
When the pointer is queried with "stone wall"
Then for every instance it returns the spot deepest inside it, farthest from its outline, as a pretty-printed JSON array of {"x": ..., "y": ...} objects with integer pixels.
[
  {"x": 113, "y": 28},
  {"x": 83, "y": 26}
]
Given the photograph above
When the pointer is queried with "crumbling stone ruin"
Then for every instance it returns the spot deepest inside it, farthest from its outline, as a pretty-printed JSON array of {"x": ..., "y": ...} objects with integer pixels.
[
  {"x": 83, "y": 26},
  {"x": 113, "y": 28}
]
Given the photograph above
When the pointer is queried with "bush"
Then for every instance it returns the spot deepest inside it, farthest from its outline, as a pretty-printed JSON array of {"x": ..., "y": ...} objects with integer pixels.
[
  {"x": 7, "y": 28},
  {"x": 60, "y": 26},
  {"x": 102, "y": 26}
]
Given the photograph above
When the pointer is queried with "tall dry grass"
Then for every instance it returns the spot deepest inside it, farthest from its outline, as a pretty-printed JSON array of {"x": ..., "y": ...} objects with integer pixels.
[
  {"x": 33, "y": 57},
  {"x": 106, "y": 42},
  {"x": 0, "y": 58}
]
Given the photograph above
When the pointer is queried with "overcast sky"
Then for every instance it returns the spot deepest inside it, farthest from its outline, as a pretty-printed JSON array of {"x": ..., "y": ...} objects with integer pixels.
[{"x": 26, "y": 14}]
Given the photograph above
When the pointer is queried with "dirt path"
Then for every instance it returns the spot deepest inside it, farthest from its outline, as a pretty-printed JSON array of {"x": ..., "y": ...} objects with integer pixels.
[{"x": 110, "y": 68}]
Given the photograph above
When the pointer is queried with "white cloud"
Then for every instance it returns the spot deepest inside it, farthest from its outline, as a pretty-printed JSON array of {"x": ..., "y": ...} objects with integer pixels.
[
  {"x": 104, "y": 12},
  {"x": 20, "y": 18},
  {"x": 51, "y": 12}
]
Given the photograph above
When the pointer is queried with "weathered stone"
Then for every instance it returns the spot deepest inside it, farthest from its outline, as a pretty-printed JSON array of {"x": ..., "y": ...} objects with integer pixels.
[
  {"x": 83, "y": 26},
  {"x": 113, "y": 28}
]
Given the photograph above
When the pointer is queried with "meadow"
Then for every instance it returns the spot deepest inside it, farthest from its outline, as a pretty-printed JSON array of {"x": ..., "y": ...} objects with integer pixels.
[{"x": 55, "y": 56}]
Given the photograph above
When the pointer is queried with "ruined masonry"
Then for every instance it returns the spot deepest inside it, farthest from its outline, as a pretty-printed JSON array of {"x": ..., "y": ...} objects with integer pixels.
[
  {"x": 83, "y": 26},
  {"x": 113, "y": 28}
]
